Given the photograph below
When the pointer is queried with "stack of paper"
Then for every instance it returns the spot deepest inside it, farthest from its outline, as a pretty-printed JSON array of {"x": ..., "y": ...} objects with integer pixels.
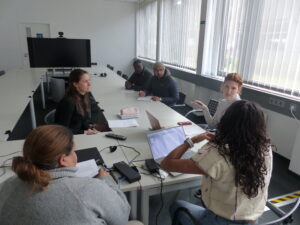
[{"x": 129, "y": 113}]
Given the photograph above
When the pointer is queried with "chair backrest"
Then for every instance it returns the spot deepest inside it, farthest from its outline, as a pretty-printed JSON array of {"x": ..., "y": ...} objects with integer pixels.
[
  {"x": 2, "y": 72},
  {"x": 212, "y": 106},
  {"x": 57, "y": 89},
  {"x": 119, "y": 73},
  {"x": 181, "y": 100},
  {"x": 125, "y": 76},
  {"x": 50, "y": 117}
]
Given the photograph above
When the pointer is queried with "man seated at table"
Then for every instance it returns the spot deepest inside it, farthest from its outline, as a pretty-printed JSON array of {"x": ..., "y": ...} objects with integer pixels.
[
  {"x": 162, "y": 86},
  {"x": 141, "y": 77}
]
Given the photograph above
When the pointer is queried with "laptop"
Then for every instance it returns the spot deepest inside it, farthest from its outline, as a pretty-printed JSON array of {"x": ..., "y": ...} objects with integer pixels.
[
  {"x": 163, "y": 141},
  {"x": 155, "y": 125},
  {"x": 89, "y": 153}
]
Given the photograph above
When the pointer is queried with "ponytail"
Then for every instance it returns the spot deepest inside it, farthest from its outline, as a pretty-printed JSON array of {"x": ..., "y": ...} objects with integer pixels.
[{"x": 37, "y": 179}]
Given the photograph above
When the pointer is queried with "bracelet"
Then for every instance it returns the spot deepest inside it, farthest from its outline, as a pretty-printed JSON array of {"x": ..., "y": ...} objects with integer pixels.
[{"x": 190, "y": 142}]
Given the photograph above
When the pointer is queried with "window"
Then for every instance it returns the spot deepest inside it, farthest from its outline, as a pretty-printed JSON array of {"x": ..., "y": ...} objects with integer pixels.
[
  {"x": 180, "y": 32},
  {"x": 259, "y": 39},
  {"x": 177, "y": 33},
  {"x": 146, "y": 30}
]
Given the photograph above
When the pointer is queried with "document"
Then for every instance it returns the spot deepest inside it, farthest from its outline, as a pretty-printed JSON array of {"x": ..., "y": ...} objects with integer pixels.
[
  {"x": 125, "y": 91},
  {"x": 123, "y": 123},
  {"x": 87, "y": 168},
  {"x": 146, "y": 98},
  {"x": 192, "y": 130}
]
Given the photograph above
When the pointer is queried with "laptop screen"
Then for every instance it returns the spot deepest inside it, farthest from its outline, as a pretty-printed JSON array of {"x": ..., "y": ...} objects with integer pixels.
[{"x": 162, "y": 142}]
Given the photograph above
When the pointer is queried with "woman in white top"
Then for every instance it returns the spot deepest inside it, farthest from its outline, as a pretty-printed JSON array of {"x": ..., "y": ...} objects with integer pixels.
[{"x": 231, "y": 88}]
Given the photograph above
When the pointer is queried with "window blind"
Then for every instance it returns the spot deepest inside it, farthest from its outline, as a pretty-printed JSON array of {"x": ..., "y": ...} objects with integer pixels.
[
  {"x": 180, "y": 24},
  {"x": 147, "y": 29},
  {"x": 257, "y": 38}
]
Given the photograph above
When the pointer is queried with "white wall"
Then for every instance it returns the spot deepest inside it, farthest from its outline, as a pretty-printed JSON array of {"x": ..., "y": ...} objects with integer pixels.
[
  {"x": 109, "y": 24},
  {"x": 282, "y": 129}
]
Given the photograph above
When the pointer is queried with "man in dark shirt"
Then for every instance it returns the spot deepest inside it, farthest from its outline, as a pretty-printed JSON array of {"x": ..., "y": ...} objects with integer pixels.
[
  {"x": 162, "y": 86},
  {"x": 141, "y": 77}
]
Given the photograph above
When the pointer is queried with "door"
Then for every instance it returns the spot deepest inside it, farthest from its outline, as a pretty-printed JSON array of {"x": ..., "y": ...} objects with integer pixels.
[{"x": 40, "y": 30}]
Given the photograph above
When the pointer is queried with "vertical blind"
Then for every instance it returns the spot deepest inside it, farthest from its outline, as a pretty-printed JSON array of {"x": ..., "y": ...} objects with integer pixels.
[
  {"x": 147, "y": 30},
  {"x": 257, "y": 38},
  {"x": 180, "y": 24}
]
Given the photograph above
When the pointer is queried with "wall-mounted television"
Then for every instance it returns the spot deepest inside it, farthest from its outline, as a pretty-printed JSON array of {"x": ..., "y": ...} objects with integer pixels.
[{"x": 59, "y": 52}]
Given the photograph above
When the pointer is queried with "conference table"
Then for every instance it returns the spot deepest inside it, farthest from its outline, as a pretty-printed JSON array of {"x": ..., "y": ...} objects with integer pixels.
[
  {"x": 17, "y": 87},
  {"x": 112, "y": 97}
]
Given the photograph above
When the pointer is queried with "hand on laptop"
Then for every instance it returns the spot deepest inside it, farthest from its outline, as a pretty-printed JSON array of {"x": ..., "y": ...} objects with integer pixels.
[{"x": 204, "y": 136}]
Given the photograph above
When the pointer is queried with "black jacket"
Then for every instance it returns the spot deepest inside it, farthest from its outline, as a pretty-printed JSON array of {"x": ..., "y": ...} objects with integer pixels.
[{"x": 140, "y": 81}]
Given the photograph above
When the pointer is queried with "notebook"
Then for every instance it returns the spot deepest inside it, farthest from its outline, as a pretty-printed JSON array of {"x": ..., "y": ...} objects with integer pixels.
[
  {"x": 162, "y": 142},
  {"x": 155, "y": 125}
]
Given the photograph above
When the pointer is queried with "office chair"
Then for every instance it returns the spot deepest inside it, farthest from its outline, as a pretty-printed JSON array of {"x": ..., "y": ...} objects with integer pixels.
[
  {"x": 57, "y": 88},
  {"x": 125, "y": 76},
  {"x": 212, "y": 107},
  {"x": 50, "y": 117},
  {"x": 2, "y": 72},
  {"x": 119, "y": 72},
  {"x": 285, "y": 218},
  {"x": 181, "y": 100}
]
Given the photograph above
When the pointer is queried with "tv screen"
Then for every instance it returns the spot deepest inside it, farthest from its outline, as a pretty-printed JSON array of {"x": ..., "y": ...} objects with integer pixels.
[{"x": 59, "y": 52}]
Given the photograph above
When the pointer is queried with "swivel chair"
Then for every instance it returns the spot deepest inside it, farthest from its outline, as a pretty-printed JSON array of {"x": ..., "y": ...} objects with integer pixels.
[
  {"x": 125, "y": 76},
  {"x": 57, "y": 88},
  {"x": 119, "y": 72},
  {"x": 50, "y": 117}
]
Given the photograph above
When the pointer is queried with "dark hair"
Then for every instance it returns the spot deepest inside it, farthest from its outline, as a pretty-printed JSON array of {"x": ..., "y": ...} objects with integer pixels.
[
  {"x": 81, "y": 106},
  {"x": 137, "y": 61},
  {"x": 41, "y": 151},
  {"x": 241, "y": 136}
]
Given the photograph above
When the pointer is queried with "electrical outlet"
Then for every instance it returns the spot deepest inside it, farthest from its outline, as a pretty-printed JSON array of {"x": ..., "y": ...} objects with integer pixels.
[
  {"x": 276, "y": 102},
  {"x": 293, "y": 107}
]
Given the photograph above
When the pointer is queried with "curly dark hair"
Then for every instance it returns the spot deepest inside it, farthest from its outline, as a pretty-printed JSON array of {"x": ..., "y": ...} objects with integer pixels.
[{"x": 241, "y": 136}]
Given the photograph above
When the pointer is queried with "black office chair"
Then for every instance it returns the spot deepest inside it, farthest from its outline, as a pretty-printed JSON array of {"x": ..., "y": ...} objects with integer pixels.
[
  {"x": 212, "y": 107},
  {"x": 125, "y": 76},
  {"x": 285, "y": 218},
  {"x": 2, "y": 72},
  {"x": 119, "y": 72},
  {"x": 50, "y": 117},
  {"x": 181, "y": 100}
]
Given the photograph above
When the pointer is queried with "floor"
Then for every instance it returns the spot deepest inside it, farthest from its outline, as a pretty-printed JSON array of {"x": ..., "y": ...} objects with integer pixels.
[{"x": 283, "y": 181}]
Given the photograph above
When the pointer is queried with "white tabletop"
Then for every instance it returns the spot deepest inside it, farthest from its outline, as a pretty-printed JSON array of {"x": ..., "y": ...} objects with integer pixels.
[{"x": 16, "y": 86}]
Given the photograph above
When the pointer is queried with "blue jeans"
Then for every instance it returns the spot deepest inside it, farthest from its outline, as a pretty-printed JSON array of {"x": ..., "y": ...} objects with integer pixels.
[{"x": 203, "y": 215}]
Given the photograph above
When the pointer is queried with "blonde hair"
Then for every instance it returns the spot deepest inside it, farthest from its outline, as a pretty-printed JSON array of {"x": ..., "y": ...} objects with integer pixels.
[
  {"x": 235, "y": 77},
  {"x": 158, "y": 65},
  {"x": 41, "y": 152}
]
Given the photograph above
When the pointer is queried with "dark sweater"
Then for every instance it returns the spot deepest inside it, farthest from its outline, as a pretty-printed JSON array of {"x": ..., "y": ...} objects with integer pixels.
[
  {"x": 66, "y": 114},
  {"x": 165, "y": 88},
  {"x": 140, "y": 81}
]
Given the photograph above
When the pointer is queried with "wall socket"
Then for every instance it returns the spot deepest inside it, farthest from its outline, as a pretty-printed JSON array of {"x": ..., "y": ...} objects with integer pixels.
[{"x": 276, "y": 102}]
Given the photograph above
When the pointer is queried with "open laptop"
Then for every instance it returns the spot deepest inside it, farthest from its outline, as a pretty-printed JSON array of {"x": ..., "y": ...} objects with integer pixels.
[
  {"x": 163, "y": 141},
  {"x": 155, "y": 125}
]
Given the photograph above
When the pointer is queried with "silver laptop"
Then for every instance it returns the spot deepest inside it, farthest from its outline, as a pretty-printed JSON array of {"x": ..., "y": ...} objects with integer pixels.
[
  {"x": 155, "y": 125},
  {"x": 162, "y": 142}
]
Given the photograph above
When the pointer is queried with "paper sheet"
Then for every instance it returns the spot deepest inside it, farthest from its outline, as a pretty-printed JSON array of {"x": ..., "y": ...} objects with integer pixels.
[
  {"x": 87, "y": 168},
  {"x": 190, "y": 130},
  {"x": 147, "y": 98},
  {"x": 125, "y": 91},
  {"x": 123, "y": 123}
]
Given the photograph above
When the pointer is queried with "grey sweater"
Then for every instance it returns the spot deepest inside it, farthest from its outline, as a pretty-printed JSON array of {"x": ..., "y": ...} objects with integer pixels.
[{"x": 69, "y": 200}]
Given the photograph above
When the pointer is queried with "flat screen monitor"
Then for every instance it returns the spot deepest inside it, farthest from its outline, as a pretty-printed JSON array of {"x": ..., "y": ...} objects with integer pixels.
[{"x": 59, "y": 52}]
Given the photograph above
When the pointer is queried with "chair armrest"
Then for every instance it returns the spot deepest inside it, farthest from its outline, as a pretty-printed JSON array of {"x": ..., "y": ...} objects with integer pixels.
[{"x": 192, "y": 111}]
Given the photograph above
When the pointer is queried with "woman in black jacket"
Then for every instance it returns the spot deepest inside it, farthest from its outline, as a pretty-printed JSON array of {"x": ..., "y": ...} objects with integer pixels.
[{"x": 74, "y": 110}]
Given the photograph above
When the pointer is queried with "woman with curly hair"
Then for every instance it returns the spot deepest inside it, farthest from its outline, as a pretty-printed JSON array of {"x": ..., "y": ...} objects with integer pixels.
[{"x": 236, "y": 164}]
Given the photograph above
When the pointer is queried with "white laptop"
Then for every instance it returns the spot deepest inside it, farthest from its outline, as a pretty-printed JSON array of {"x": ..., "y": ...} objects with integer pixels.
[
  {"x": 155, "y": 125},
  {"x": 163, "y": 141}
]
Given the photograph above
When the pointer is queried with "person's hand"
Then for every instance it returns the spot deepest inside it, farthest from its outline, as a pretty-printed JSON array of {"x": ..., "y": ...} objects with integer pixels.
[
  {"x": 200, "y": 104},
  {"x": 204, "y": 136},
  {"x": 128, "y": 85},
  {"x": 91, "y": 131},
  {"x": 142, "y": 94},
  {"x": 102, "y": 173},
  {"x": 155, "y": 98}
]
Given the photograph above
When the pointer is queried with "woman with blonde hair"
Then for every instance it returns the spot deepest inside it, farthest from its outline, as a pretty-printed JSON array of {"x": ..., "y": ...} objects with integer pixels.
[
  {"x": 46, "y": 190},
  {"x": 231, "y": 89}
]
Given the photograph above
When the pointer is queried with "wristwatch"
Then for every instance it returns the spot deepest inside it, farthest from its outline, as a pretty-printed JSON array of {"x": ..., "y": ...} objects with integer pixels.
[{"x": 190, "y": 142}]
